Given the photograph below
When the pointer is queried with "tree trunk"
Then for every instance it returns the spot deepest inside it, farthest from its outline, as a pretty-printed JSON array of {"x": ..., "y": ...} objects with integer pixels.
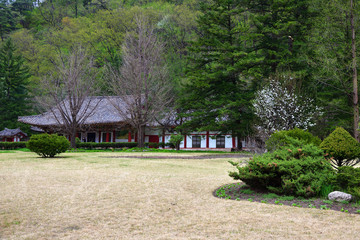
[
  {"x": 73, "y": 138},
  {"x": 141, "y": 139},
  {"x": 239, "y": 143},
  {"x": 354, "y": 78}
]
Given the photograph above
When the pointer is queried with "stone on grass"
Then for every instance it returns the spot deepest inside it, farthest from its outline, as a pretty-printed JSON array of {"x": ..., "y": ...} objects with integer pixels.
[{"x": 339, "y": 196}]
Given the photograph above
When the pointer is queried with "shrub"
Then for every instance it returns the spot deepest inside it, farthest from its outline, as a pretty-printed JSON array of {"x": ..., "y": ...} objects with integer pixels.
[
  {"x": 348, "y": 180},
  {"x": 48, "y": 145},
  {"x": 292, "y": 171},
  {"x": 342, "y": 148},
  {"x": 281, "y": 138},
  {"x": 175, "y": 140}
]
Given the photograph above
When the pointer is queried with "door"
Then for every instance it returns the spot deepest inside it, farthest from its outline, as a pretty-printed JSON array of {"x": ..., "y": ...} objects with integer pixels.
[{"x": 153, "y": 139}]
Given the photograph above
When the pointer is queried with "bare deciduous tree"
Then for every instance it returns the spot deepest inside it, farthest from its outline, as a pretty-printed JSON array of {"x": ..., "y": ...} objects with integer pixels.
[
  {"x": 67, "y": 92},
  {"x": 142, "y": 82}
]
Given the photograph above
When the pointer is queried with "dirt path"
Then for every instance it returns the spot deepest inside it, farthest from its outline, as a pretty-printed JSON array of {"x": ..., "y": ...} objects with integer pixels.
[{"x": 210, "y": 156}]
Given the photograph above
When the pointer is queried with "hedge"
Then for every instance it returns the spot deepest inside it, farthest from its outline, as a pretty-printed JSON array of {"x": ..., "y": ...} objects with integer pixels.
[
  {"x": 85, "y": 145},
  {"x": 156, "y": 145},
  {"x": 105, "y": 145},
  {"x": 12, "y": 145}
]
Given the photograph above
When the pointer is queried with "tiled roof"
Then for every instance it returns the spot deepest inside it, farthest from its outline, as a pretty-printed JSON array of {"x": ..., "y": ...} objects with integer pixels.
[
  {"x": 11, "y": 132},
  {"x": 104, "y": 113}
]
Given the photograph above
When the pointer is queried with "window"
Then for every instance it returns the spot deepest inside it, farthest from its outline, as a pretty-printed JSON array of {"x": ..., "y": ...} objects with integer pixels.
[
  {"x": 196, "y": 141},
  {"x": 91, "y": 137},
  {"x": 220, "y": 142}
]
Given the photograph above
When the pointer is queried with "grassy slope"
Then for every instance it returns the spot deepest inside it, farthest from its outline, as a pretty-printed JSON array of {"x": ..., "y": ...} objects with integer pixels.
[{"x": 86, "y": 196}]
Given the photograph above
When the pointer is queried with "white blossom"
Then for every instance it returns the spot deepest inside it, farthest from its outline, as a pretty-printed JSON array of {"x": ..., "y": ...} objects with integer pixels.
[{"x": 281, "y": 109}]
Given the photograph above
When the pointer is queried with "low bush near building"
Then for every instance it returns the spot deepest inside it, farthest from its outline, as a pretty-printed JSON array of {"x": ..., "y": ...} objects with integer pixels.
[
  {"x": 12, "y": 145},
  {"x": 342, "y": 148},
  {"x": 291, "y": 171},
  {"x": 48, "y": 145},
  {"x": 105, "y": 145},
  {"x": 155, "y": 144},
  {"x": 281, "y": 138},
  {"x": 175, "y": 141}
]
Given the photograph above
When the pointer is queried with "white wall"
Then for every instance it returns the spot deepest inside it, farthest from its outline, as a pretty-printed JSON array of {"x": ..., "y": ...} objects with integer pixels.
[{"x": 228, "y": 141}]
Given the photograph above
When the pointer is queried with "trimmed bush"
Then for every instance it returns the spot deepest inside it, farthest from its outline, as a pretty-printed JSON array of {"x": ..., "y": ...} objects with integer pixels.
[
  {"x": 175, "y": 140},
  {"x": 281, "y": 138},
  {"x": 342, "y": 148},
  {"x": 12, "y": 145},
  {"x": 105, "y": 145},
  {"x": 154, "y": 144},
  {"x": 348, "y": 180},
  {"x": 48, "y": 145},
  {"x": 292, "y": 171}
]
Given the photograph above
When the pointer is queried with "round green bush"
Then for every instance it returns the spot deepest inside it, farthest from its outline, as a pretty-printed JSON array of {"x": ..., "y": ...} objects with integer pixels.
[
  {"x": 290, "y": 171},
  {"x": 176, "y": 140},
  {"x": 342, "y": 148},
  {"x": 48, "y": 145},
  {"x": 283, "y": 138}
]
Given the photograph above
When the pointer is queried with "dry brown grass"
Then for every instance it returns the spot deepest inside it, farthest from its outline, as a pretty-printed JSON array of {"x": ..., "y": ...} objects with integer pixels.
[{"x": 87, "y": 196}]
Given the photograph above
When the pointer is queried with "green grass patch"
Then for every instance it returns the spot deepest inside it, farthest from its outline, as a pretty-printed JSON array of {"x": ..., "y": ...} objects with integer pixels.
[
  {"x": 270, "y": 196},
  {"x": 286, "y": 198},
  {"x": 247, "y": 191}
]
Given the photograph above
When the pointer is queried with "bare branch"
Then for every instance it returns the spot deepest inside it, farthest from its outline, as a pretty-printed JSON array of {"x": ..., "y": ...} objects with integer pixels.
[
  {"x": 142, "y": 82},
  {"x": 67, "y": 91}
]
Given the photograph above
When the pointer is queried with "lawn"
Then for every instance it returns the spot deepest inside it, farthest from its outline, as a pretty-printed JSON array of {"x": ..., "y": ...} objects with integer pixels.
[{"x": 91, "y": 196}]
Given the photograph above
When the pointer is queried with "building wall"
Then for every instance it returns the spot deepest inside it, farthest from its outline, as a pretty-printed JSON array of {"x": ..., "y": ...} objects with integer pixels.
[
  {"x": 211, "y": 136},
  {"x": 203, "y": 135}
]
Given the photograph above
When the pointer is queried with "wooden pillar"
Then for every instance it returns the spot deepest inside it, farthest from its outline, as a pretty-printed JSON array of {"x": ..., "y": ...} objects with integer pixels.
[
  {"x": 99, "y": 136},
  {"x": 207, "y": 139},
  {"x": 233, "y": 142},
  {"x": 107, "y": 137},
  {"x": 163, "y": 136},
  {"x": 129, "y": 136},
  {"x": 184, "y": 141},
  {"x": 114, "y": 136}
]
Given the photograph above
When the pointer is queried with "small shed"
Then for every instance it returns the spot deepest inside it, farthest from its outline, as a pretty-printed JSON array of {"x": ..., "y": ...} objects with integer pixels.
[{"x": 12, "y": 135}]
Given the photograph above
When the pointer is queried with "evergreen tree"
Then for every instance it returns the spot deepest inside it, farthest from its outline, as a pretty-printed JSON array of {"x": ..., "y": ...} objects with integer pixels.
[
  {"x": 281, "y": 40},
  {"x": 7, "y": 19},
  {"x": 13, "y": 86},
  {"x": 217, "y": 97}
]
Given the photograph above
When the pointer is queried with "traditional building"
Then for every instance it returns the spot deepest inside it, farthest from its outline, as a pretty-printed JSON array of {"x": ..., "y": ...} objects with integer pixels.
[
  {"x": 12, "y": 135},
  {"x": 105, "y": 124}
]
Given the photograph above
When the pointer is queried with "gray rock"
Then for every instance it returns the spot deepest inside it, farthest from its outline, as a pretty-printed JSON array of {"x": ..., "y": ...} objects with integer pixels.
[{"x": 339, "y": 196}]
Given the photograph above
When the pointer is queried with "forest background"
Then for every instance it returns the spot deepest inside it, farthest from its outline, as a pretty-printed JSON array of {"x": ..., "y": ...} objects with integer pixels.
[{"x": 219, "y": 55}]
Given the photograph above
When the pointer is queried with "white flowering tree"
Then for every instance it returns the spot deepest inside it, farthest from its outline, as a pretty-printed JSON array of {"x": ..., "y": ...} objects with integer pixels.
[{"x": 281, "y": 109}]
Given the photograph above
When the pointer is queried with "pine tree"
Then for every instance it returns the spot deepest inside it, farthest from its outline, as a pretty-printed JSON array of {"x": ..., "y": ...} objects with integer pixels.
[
  {"x": 217, "y": 97},
  {"x": 14, "y": 77},
  {"x": 7, "y": 19},
  {"x": 282, "y": 31}
]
